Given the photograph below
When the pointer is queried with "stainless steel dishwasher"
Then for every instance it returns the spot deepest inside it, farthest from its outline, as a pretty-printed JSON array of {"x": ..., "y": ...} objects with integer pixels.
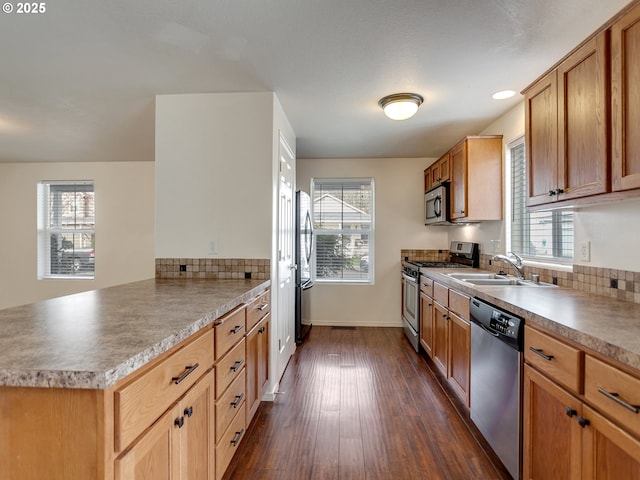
[{"x": 496, "y": 381}]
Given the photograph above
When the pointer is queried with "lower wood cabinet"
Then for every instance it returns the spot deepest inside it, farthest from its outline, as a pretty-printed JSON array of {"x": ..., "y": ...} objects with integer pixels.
[
  {"x": 459, "y": 356},
  {"x": 426, "y": 323},
  {"x": 573, "y": 436},
  {"x": 257, "y": 345},
  {"x": 179, "y": 444},
  {"x": 450, "y": 337},
  {"x": 440, "y": 348}
]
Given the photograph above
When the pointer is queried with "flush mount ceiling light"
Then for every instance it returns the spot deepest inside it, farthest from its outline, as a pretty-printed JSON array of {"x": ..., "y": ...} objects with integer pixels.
[
  {"x": 503, "y": 95},
  {"x": 400, "y": 106}
]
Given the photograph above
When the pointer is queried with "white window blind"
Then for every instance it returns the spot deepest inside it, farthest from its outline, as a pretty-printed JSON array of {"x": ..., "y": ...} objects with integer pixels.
[
  {"x": 544, "y": 236},
  {"x": 343, "y": 218},
  {"x": 66, "y": 229}
]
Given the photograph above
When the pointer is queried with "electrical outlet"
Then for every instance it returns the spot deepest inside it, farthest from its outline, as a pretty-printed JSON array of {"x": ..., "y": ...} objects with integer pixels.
[
  {"x": 213, "y": 246},
  {"x": 585, "y": 251}
]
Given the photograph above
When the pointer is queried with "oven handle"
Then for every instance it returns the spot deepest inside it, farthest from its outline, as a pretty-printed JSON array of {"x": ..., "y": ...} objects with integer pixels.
[{"x": 409, "y": 279}]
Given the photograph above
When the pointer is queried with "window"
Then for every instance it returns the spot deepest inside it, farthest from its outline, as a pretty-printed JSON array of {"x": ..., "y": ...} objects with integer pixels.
[
  {"x": 66, "y": 230},
  {"x": 343, "y": 223},
  {"x": 539, "y": 236}
]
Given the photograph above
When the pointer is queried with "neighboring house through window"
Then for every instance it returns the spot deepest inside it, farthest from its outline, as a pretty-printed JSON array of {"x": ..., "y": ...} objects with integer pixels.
[
  {"x": 538, "y": 236},
  {"x": 66, "y": 229},
  {"x": 343, "y": 222}
]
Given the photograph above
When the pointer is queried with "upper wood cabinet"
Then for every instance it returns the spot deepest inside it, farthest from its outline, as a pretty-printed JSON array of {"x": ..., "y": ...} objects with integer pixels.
[
  {"x": 625, "y": 100},
  {"x": 476, "y": 179},
  {"x": 567, "y": 127},
  {"x": 437, "y": 173}
]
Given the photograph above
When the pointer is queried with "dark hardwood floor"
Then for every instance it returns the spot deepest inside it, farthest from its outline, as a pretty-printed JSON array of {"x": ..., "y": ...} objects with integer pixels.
[{"x": 360, "y": 404}]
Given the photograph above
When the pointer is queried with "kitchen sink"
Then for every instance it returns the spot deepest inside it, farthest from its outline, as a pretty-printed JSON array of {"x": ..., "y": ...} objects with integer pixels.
[
  {"x": 476, "y": 276},
  {"x": 493, "y": 279}
]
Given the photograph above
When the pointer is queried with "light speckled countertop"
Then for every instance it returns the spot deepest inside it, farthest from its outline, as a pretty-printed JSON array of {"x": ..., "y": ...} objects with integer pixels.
[
  {"x": 602, "y": 324},
  {"x": 93, "y": 339}
]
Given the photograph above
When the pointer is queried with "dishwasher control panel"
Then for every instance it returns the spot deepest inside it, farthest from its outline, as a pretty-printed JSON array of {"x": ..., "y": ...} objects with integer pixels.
[{"x": 507, "y": 326}]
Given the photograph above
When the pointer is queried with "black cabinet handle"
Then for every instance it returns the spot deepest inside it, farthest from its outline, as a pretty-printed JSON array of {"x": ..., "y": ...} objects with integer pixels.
[
  {"x": 616, "y": 398},
  {"x": 552, "y": 193},
  {"x": 540, "y": 352},
  {"x": 238, "y": 400},
  {"x": 236, "y": 366},
  {"x": 559, "y": 191},
  {"x": 236, "y": 329},
  {"x": 188, "y": 371},
  {"x": 570, "y": 411},
  {"x": 261, "y": 330},
  {"x": 179, "y": 422},
  {"x": 237, "y": 438},
  {"x": 583, "y": 422},
  {"x": 188, "y": 411}
]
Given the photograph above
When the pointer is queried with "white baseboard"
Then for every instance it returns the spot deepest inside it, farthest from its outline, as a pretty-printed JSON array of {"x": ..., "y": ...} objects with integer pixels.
[{"x": 333, "y": 323}]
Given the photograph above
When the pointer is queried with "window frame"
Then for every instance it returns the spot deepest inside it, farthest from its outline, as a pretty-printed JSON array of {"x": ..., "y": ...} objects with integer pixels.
[
  {"x": 370, "y": 280},
  {"x": 555, "y": 260},
  {"x": 45, "y": 211}
]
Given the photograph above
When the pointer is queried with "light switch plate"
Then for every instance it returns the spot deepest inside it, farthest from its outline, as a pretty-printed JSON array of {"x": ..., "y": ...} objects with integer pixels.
[
  {"x": 585, "y": 251},
  {"x": 213, "y": 246}
]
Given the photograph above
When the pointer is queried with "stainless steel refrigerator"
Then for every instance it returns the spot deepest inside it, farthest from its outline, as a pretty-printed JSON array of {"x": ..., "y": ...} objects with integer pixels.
[{"x": 304, "y": 251}]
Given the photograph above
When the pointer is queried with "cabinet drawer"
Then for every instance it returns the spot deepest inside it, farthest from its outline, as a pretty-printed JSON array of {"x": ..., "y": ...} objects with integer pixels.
[
  {"x": 459, "y": 303},
  {"x": 614, "y": 392},
  {"x": 230, "y": 329},
  {"x": 230, "y": 441},
  {"x": 140, "y": 402},
  {"x": 229, "y": 367},
  {"x": 426, "y": 285},
  {"x": 558, "y": 360},
  {"x": 257, "y": 309},
  {"x": 229, "y": 404},
  {"x": 441, "y": 294}
]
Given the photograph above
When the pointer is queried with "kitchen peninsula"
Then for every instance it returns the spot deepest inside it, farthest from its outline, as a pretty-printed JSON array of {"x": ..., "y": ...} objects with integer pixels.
[{"x": 83, "y": 377}]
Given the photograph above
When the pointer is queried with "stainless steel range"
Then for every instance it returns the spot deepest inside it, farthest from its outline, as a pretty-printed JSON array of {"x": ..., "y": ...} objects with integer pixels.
[{"x": 461, "y": 255}]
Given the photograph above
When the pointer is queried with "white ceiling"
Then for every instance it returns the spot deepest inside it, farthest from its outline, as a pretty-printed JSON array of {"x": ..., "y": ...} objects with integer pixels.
[{"x": 77, "y": 83}]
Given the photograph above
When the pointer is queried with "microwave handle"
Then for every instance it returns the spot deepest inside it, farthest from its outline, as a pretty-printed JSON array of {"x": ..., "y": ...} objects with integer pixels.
[{"x": 437, "y": 206}]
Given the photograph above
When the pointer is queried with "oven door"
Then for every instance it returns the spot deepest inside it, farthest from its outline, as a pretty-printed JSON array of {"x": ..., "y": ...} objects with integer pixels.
[{"x": 411, "y": 302}]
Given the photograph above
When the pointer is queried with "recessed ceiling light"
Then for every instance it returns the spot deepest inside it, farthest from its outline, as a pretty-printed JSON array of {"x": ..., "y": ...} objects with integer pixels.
[
  {"x": 503, "y": 94},
  {"x": 400, "y": 106}
]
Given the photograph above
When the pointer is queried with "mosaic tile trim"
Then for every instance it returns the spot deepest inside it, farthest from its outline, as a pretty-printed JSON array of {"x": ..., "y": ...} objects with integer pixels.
[
  {"x": 620, "y": 284},
  {"x": 214, "y": 268}
]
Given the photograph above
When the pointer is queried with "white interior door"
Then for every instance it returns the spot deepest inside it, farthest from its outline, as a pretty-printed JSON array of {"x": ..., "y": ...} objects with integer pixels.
[{"x": 285, "y": 322}]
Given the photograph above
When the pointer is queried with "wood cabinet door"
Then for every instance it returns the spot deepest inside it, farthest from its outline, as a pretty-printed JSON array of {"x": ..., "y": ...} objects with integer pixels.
[
  {"x": 458, "y": 207},
  {"x": 257, "y": 345},
  {"x": 541, "y": 131},
  {"x": 459, "y": 356},
  {"x": 444, "y": 168},
  {"x": 440, "y": 338},
  {"x": 426, "y": 323},
  {"x": 156, "y": 455},
  {"x": 583, "y": 120},
  {"x": 264, "y": 333},
  {"x": 552, "y": 439},
  {"x": 428, "y": 182},
  {"x": 252, "y": 372},
  {"x": 196, "y": 436},
  {"x": 609, "y": 453},
  {"x": 625, "y": 101}
]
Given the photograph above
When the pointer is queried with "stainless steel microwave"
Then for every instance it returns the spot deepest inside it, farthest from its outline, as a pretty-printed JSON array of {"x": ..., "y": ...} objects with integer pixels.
[{"x": 436, "y": 206}]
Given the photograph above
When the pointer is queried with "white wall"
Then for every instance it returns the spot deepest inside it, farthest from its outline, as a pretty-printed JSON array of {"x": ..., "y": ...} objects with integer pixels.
[
  {"x": 399, "y": 224},
  {"x": 124, "y": 227},
  {"x": 213, "y": 174}
]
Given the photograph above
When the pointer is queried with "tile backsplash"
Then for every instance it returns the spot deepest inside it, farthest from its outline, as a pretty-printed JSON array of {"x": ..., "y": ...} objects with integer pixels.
[
  {"x": 621, "y": 284},
  {"x": 213, "y": 268}
]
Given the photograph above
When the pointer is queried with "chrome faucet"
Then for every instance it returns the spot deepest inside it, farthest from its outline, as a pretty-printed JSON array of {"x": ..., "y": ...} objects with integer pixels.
[{"x": 518, "y": 265}]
